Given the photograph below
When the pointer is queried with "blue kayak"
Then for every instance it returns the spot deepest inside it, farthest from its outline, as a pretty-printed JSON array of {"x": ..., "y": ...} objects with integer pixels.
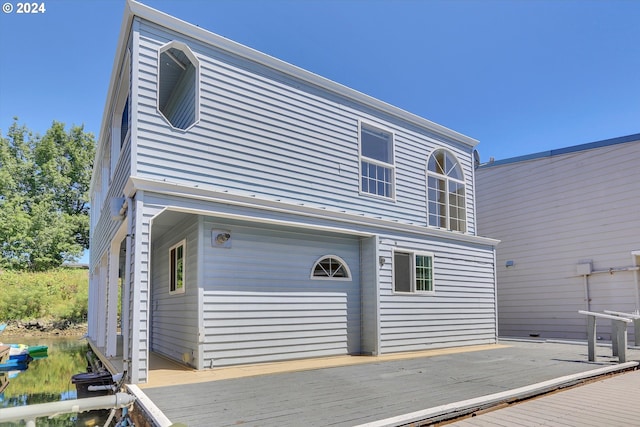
[
  {"x": 22, "y": 357},
  {"x": 15, "y": 365}
]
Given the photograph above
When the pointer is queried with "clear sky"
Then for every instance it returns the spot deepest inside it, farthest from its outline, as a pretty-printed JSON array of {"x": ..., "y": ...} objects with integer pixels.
[{"x": 519, "y": 76}]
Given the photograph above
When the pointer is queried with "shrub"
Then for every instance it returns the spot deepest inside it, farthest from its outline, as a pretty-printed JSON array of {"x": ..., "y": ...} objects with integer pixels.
[{"x": 60, "y": 294}]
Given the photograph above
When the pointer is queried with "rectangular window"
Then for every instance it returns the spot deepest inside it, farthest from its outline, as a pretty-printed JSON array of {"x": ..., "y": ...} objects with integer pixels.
[
  {"x": 412, "y": 272},
  {"x": 177, "y": 273},
  {"x": 376, "y": 161},
  {"x": 124, "y": 123}
]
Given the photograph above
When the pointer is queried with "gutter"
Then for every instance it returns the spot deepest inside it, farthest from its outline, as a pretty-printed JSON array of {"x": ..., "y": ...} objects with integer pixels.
[{"x": 135, "y": 184}]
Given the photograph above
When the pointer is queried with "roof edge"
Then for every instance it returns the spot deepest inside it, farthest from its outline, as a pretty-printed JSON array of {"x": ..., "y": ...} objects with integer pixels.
[
  {"x": 135, "y": 8},
  {"x": 566, "y": 150}
]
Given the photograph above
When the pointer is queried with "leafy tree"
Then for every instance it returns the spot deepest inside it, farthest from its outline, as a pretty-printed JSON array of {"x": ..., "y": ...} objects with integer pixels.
[{"x": 44, "y": 200}]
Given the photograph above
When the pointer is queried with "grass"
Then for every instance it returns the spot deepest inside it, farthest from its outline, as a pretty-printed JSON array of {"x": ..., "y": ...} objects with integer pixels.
[{"x": 59, "y": 294}]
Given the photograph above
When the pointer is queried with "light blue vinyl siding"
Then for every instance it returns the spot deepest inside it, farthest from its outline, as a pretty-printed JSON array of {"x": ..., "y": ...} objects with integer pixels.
[
  {"x": 261, "y": 305},
  {"x": 266, "y": 134},
  {"x": 461, "y": 310},
  {"x": 174, "y": 317}
]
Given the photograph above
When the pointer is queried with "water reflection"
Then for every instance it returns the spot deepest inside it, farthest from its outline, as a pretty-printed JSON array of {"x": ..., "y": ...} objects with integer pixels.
[{"x": 48, "y": 379}]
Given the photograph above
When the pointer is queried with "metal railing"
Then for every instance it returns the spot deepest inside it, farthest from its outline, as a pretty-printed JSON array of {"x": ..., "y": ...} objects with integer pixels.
[
  {"x": 29, "y": 413},
  {"x": 618, "y": 334},
  {"x": 636, "y": 322}
]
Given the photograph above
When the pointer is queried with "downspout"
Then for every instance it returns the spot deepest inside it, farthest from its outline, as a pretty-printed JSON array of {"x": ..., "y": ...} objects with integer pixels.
[
  {"x": 125, "y": 315},
  {"x": 635, "y": 256},
  {"x": 495, "y": 293}
]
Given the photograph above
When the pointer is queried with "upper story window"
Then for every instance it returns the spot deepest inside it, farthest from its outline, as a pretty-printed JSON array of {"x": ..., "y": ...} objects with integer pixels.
[
  {"x": 445, "y": 192},
  {"x": 331, "y": 267},
  {"x": 178, "y": 85},
  {"x": 125, "y": 122},
  {"x": 376, "y": 161}
]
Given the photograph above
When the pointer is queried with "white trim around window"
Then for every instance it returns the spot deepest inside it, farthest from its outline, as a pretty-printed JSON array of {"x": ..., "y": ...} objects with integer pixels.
[
  {"x": 376, "y": 149},
  {"x": 178, "y": 268},
  {"x": 413, "y": 272},
  {"x": 330, "y": 267}
]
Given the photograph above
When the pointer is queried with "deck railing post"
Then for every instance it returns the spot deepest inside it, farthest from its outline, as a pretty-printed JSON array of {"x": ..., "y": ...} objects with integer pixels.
[
  {"x": 636, "y": 322},
  {"x": 614, "y": 336},
  {"x": 618, "y": 333},
  {"x": 591, "y": 337},
  {"x": 621, "y": 340}
]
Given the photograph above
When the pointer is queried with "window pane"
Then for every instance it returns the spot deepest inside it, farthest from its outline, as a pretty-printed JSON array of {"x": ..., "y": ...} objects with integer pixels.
[
  {"x": 457, "y": 211},
  {"x": 376, "y": 145},
  {"x": 179, "y": 274},
  {"x": 402, "y": 272},
  {"x": 424, "y": 273},
  {"x": 124, "y": 123},
  {"x": 436, "y": 162},
  {"x": 177, "y": 269},
  {"x": 376, "y": 179}
]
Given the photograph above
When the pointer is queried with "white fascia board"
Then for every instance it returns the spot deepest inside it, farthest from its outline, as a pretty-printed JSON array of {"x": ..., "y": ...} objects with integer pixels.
[
  {"x": 135, "y": 184},
  {"x": 237, "y": 49},
  {"x": 260, "y": 220}
]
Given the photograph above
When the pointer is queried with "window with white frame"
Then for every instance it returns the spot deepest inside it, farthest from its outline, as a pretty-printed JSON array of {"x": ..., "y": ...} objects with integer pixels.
[
  {"x": 178, "y": 85},
  {"x": 413, "y": 272},
  {"x": 125, "y": 123},
  {"x": 446, "y": 192},
  {"x": 331, "y": 267},
  {"x": 177, "y": 258},
  {"x": 376, "y": 161}
]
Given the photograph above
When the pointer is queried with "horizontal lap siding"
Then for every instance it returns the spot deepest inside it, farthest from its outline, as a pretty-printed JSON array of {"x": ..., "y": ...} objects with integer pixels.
[
  {"x": 260, "y": 304},
  {"x": 106, "y": 227},
  {"x": 460, "y": 312},
  {"x": 551, "y": 213},
  {"x": 175, "y": 316},
  {"x": 267, "y": 134}
]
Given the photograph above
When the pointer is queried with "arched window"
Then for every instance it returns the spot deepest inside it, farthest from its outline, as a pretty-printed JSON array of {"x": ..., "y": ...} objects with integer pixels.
[
  {"x": 331, "y": 267},
  {"x": 445, "y": 192}
]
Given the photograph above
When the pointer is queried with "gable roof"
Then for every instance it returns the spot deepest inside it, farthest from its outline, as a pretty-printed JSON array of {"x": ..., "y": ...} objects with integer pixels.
[{"x": 566, "y": 150}]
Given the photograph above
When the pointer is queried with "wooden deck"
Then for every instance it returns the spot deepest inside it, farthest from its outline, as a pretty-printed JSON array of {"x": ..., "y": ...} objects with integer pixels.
[
  {"x": 360, "y": 393},
  {"x": 611, "y": 402},
  {"x": 4, "y": 353}
]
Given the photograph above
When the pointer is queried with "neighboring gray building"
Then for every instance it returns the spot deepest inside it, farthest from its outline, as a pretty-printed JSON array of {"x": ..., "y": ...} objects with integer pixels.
[
  {"x": 568, "y": 221},
  {"x": 250, "y": 211}
]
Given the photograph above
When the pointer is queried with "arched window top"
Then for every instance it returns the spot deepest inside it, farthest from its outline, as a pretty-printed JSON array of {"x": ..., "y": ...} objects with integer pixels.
[
  {"x": 444, "y": 163},
  {"x": 446, "y": 198},
  {"x": 330, "y": 267}
]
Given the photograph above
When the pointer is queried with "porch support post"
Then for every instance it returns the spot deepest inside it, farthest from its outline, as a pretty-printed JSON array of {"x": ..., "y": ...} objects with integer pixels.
[{"x": 112, "y": 300}]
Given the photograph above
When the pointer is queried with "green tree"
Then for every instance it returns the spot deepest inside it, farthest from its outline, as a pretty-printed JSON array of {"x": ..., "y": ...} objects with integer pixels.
[{"x": 44, "y": 200}]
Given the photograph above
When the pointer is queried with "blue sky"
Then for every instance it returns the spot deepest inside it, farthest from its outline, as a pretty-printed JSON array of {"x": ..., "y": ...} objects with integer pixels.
[{"x": 519, "y": 76}]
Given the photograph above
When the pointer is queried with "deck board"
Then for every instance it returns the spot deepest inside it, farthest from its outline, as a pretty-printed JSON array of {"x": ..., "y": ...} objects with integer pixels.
[
  {"x": 608, "y": 402},
  {"x": 357, "y": 394}
]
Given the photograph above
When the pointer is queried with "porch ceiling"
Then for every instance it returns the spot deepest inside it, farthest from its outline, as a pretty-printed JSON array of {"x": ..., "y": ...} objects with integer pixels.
[{"x": 167, "y": 220}]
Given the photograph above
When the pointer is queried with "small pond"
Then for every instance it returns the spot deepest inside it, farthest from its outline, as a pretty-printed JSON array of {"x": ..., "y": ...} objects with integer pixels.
[{"x": 49, "y": 380}]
